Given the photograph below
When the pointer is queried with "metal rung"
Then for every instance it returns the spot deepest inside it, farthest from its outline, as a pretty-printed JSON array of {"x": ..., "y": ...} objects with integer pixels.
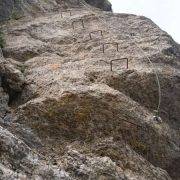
[
  {"x": 70, "y": 13},
  {"x": 76, "y": 21},
  {"x": 93, "y": 32},
  {"x": 127, "y": 62},
  {"x": 121, "y": 59},
  {"x": 113, "y": 43}
]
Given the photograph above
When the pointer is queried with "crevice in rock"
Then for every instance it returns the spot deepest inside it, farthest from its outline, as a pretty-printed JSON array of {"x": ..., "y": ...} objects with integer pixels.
[{"x": 13, "y": 94}]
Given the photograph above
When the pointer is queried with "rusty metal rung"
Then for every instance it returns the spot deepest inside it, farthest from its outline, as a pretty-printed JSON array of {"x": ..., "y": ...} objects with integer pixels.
[
  {"x": 93, "y": 32},
  {"x": 70, "y": 13},
  {"x": 127, "y": 62},
  {"x": 111, "y": 62},
  {"x": 113, "y": 43},
  {"x": 76, "y": 21}
]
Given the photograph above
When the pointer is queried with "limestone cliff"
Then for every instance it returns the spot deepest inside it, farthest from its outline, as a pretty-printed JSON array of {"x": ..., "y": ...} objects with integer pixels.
[{"x": 79, "y": 95}]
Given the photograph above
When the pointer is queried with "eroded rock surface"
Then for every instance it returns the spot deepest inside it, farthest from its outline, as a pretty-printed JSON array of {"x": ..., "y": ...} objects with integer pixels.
[{"x": 68, "y": 112}]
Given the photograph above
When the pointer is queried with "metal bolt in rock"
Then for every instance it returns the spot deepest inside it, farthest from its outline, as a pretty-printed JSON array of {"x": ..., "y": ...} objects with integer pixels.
[{"x": 156, "y": 117}]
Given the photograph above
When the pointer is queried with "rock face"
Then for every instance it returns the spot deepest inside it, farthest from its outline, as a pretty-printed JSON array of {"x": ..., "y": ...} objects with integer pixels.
[
  {"x": 103, "y": 4},
  {"x": 70, "y": 110},
  {"x": 16, "y": 9}
]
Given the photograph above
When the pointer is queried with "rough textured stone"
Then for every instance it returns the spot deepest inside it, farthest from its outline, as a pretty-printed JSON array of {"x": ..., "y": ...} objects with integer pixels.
[
  {"x": 4, "y": 98},
  {"x": 103, "y": 4},
  {"x": 73, "y": 116},
  {"x": 17, "y": 9},
  {"x": 20, "y": 161}
]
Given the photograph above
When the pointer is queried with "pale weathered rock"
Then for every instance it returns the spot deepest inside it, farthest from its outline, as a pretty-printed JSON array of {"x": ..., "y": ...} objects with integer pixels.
[
  {"x": 73, "y": 115},
  {"x": 17, "y": 157},
  {"x": 127, "y": 164},
  {"x": 13, "y": 77}
]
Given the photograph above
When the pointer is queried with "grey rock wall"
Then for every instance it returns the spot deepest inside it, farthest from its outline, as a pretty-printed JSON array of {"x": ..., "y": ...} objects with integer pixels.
[
  {"x": 15, "y": 9},
  {"x": 66, "y": 114},
  {"x": 102, "y": 4}
]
